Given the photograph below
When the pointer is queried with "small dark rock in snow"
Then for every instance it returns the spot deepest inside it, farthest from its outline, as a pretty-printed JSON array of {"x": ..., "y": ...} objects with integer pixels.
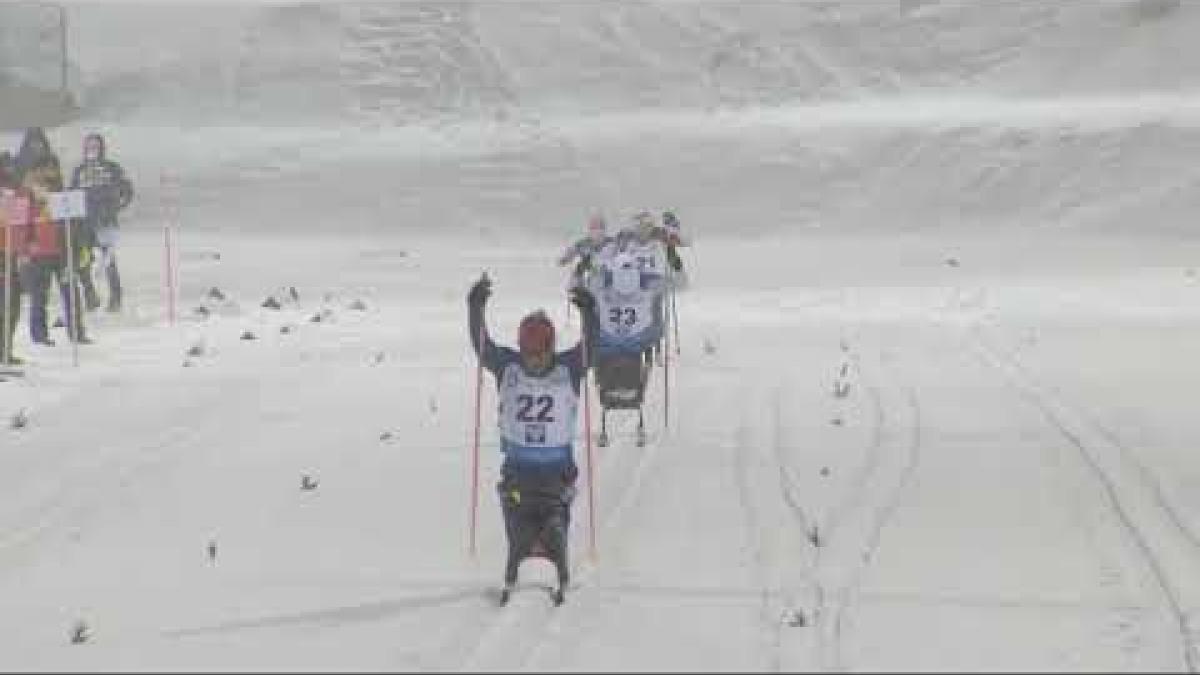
[
  {"x": 815, "y": 537},
  {"x": 795, "y": 618},
  {"x": 286, "y": 328},
  {"x": 271, "y": 303},
  {"x": 196, "y": 350},
  {"x": 202, "y": 311},
  {"x": 79, "y": 633},
  {"x": 379, "y": 357},
  {"x": 709, "y": 347},
  {"x": 837, "y": 422},
  {"x": 20, "y": 420},
  {"x": 215, "y": 293},
  {"x": 187, "y": 363},
  {"x": 293, "y": 294},
  {"x": 249, "y": 335},
  {"x": 211, "y": 550},
  {"x": 953, "y": 262},
  {"x": 385, "y": 436},
  {"x": 358, "y": 305},
  {"x": 824, "y": 471},
  {"x": 307, "y": 482},
  {"x": 216, "y": 255}
]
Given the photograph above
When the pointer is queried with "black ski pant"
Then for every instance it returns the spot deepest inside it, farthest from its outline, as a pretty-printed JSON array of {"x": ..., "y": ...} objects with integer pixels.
[
  {"x": 537, "y": 509},
  {"x": 42, "y": 273}
]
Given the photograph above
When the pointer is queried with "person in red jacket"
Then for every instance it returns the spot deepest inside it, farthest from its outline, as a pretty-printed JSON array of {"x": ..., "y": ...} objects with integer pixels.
[{"x": 45, "y": 249}]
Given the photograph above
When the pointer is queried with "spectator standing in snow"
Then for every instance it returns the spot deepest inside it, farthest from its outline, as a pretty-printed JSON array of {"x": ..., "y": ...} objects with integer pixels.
[
  {"x": 34, "y": 149},
  {"x": 45, "y": 247},
  {"x": 108, "y": 192}
]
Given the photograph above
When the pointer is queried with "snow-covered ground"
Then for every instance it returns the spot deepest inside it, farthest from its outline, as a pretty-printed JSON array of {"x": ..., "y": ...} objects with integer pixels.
[{"x": 931, "y": 407}]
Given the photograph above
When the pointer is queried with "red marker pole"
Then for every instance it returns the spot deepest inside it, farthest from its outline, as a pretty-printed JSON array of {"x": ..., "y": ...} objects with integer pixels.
[{"x": 170, "y": 275}]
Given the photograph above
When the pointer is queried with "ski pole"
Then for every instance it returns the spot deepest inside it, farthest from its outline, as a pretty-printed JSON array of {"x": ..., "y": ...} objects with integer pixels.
[
  {"x": 585, "y": 326},
  {"x": 675, "y": 318},
  {"x": 72, "y": 322},
  {"x": 666, "y": 378},
  {"x": 475, "y": 443}
]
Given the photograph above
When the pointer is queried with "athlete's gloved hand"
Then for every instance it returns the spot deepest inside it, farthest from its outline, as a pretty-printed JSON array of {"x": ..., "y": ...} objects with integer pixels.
[
  {"x": 480, "y": 291},
  {"x": 582, "y": 298}
]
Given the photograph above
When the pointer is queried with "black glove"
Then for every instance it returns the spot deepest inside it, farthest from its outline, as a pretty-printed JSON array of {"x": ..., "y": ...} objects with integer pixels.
[
  {"x": 674, "y": 260},
  {"x": 583, "y": 299},
  {"x": 479, "y": 293}
]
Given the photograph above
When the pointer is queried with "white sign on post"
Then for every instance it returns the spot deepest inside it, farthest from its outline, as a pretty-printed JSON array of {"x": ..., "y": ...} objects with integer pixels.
[
  {"x": 68, "y": 204},
  {"x": 14, "y": 208}
]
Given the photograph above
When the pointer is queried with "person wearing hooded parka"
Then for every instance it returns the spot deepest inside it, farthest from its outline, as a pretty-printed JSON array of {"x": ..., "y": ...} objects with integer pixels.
[{"x": 35, "y": 148}]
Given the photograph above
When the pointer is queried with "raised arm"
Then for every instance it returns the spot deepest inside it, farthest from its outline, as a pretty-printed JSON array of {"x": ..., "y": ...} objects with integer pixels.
[
  {"x": 583, "y": 299},
  {"x": 481, "y": 342}
]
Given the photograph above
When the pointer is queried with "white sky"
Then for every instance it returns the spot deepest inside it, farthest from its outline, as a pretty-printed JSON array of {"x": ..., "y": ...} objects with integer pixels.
[{"x": 976, "y": 221}]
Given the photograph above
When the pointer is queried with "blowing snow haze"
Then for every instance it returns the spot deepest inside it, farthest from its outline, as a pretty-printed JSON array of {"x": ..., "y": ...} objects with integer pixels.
[{"x": 928, "y": 398}]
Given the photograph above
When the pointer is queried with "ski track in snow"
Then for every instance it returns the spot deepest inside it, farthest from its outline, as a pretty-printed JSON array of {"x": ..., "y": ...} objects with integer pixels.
[
  {"x": 1169, "y": 547},
  {"x": 856, "y": 525}
]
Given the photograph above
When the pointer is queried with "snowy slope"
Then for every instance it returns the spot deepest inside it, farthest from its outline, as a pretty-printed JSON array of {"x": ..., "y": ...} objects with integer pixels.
[{"x": 930, "y": 410}]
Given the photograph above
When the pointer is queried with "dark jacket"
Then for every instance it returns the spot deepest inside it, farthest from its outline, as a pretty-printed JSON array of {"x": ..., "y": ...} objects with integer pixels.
[{"x": 108, "y": 189}]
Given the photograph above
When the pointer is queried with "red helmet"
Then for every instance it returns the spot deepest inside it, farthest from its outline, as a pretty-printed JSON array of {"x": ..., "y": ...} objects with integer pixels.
[{"x": 536, "y": 334}]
